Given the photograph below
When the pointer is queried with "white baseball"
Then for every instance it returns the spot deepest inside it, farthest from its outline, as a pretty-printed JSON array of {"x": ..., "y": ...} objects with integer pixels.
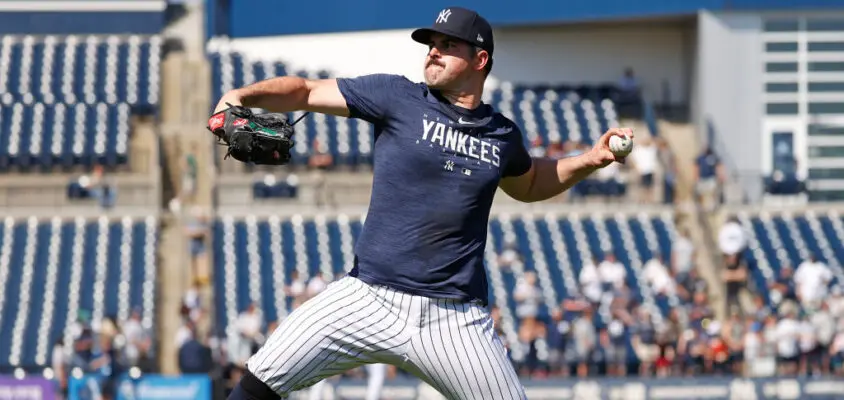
[{"x": 621, "y": 146}]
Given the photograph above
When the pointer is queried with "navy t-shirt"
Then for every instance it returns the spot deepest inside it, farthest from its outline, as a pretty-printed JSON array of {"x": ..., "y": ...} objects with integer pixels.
[{"x": 436, "y": 170}]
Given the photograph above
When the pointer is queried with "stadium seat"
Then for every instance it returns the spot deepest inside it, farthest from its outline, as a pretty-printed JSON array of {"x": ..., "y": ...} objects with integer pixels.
[
  {"x": 788, "y": 239},
  {"x": 51, "y": 268},
  {"x": 75, "y": 95}
]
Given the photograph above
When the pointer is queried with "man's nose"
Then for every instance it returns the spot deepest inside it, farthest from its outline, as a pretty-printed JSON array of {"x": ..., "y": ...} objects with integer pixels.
[{"x": 434, "y": 51}]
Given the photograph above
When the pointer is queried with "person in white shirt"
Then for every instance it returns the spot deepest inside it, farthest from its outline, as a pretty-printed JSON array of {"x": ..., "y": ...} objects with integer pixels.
[
  {"x": 836, "y": 349},
  {"x": 812, "y": 279},
  {"x": 247, "y": 335},
  {"x": 316, "y": 285},
  {"x": 824, "y": 325},
  {"x": 836, "y": 302},
  {"x": 656, "y": 274},
  {"x": 590, "y": 281},
  {"x": 808, "y": 343},
  {"x": 787, "y": 336},
  {"x": 645, "y": 158},
  {"x": 527, "y": 296},
  {"x": 682, "y": 253},
  {"x": 732, "y": 238},
  {"x": 297, "y": 289},
  {"x": 613, "y": 274}
]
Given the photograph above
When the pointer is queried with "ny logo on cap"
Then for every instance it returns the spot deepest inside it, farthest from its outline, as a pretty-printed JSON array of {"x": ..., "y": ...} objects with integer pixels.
[{"x": 443, "y": 17}]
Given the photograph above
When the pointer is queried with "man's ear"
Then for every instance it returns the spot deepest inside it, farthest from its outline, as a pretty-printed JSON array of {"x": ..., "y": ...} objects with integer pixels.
[{"x": 481, "y": 60}]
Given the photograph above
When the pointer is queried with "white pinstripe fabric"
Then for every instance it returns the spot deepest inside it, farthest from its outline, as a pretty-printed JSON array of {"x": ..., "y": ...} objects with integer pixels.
[{"x": 450, "y": 345}]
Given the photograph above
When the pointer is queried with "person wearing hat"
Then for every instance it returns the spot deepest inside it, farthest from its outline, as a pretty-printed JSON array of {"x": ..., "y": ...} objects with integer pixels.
[{"x": 417, "y": 293}]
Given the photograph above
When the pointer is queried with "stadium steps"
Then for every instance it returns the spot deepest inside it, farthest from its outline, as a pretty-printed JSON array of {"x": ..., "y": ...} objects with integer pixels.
[
  {"x": 684, "y": 143},
  {"x": 173, "y": 272}
]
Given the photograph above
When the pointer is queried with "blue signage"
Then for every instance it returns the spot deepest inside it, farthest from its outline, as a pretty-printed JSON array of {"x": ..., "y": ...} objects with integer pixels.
[{"x": 148, "y": 387}]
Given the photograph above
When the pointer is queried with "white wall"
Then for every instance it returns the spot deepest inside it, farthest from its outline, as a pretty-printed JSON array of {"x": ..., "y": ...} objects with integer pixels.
[
  {"x": 657, "y": 51},
  {"x": 598, "y": 54},
  {"x": 729, "y": 88}
]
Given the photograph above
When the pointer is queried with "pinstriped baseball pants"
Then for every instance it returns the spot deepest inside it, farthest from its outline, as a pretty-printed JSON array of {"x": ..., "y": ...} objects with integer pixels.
[{"x": 451, "y": 345}]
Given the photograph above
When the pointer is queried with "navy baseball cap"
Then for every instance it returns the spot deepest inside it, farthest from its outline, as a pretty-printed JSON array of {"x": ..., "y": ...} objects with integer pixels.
[{"x": 462, "y": 23}]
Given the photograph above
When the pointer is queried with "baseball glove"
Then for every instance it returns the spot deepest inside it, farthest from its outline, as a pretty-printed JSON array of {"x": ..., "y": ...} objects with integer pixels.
[{"x": 263, "y": 139}]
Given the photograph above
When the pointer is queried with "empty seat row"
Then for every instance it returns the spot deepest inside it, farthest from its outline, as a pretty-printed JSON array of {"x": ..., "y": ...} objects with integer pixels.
[
  {"x": 51, "y": 268},
  {"x": 48, "y": 135},
  {"x": 80, "y": 69}
]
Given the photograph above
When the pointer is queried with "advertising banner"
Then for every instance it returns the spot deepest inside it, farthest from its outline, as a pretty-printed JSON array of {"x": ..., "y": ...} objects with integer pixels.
[
  {"x": 148, "y": 387},
  {"x": 26, "y": 389}
]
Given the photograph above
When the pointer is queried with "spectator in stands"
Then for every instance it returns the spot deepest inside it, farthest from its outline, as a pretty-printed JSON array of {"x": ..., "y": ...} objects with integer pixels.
[
  {"x": 731, "y": 237},
  {"x": 760, "y": 310},
  {"x": 812, "y": 280},
  {"x": 735, "y": 275},
  {"x": 836, "y": 302},
  {"x": 190, "y": 171},
  {"x": 700, "y": 310},
  {"x": 783, "y": 288},
  {"x": 319, "y": 162},
  {"x": 668, "y": 164},
  {"x": 621, "y": 302},
  {"x": 585, "y": 339},
  {"x": 655, "y": 273},
  {"x": 644, "y": 159},
  {"x": 608, "y": 182},
  {"x": 690, "y": 284},
  {"x": 197, "y": 231},
  {"x": 787, "y": 335},
  {"x": 753, "y": 350},
  {"x": 823, "y": 324},
  {"x": 786, "y": 178},
  {"x": 102, "y": 187},
  {"x": 192, "y": 301},
  {"x": 555, "y": 150},
  {"x": 138, "y": 340},
  {"x": 248, "y": 335},
  {"x": 617, "y": 349},
  {"x": 692, "y": 350},
  {"x": 667, "y": 336},
  {"x": 717, "y": 358},
  {"x": 194, "y": 356},
  {"x": 629, "y": 100},
  {"x": 590, "y": 281},
  {"x": 185, "y": 332},
  {"x": 527, "y": 296},
  {"x": 296, "y": 289},
  {"x": 644, "y": 341},
  {"x": 509, "y": 255},
  {"x": 709, "y": 175},
  {"x": 734, "y": 332},
  {"x": 59, "y": 362},
  {"x": 612, "y": 272},
  {"x": 556, "y": 337},
  {"x": 529, "y": 337},
  {"x": 537, "y": 149},
  {"x": 83, "y": 351},
  {"x": 808, "y": 343},
  {"x": 316, "y": 285},
  {"x": 836, "y": 350},
  {"x": 682, "y": 254}
]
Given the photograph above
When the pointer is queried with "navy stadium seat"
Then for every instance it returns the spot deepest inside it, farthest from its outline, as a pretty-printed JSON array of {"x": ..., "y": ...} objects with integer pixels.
[{"x": 51, "y": 268}]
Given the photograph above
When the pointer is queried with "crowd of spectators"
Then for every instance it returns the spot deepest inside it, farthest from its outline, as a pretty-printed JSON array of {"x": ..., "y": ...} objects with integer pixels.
[
  {"x": 604, "y": 329},
  {"x": 107, "y": 349}
]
